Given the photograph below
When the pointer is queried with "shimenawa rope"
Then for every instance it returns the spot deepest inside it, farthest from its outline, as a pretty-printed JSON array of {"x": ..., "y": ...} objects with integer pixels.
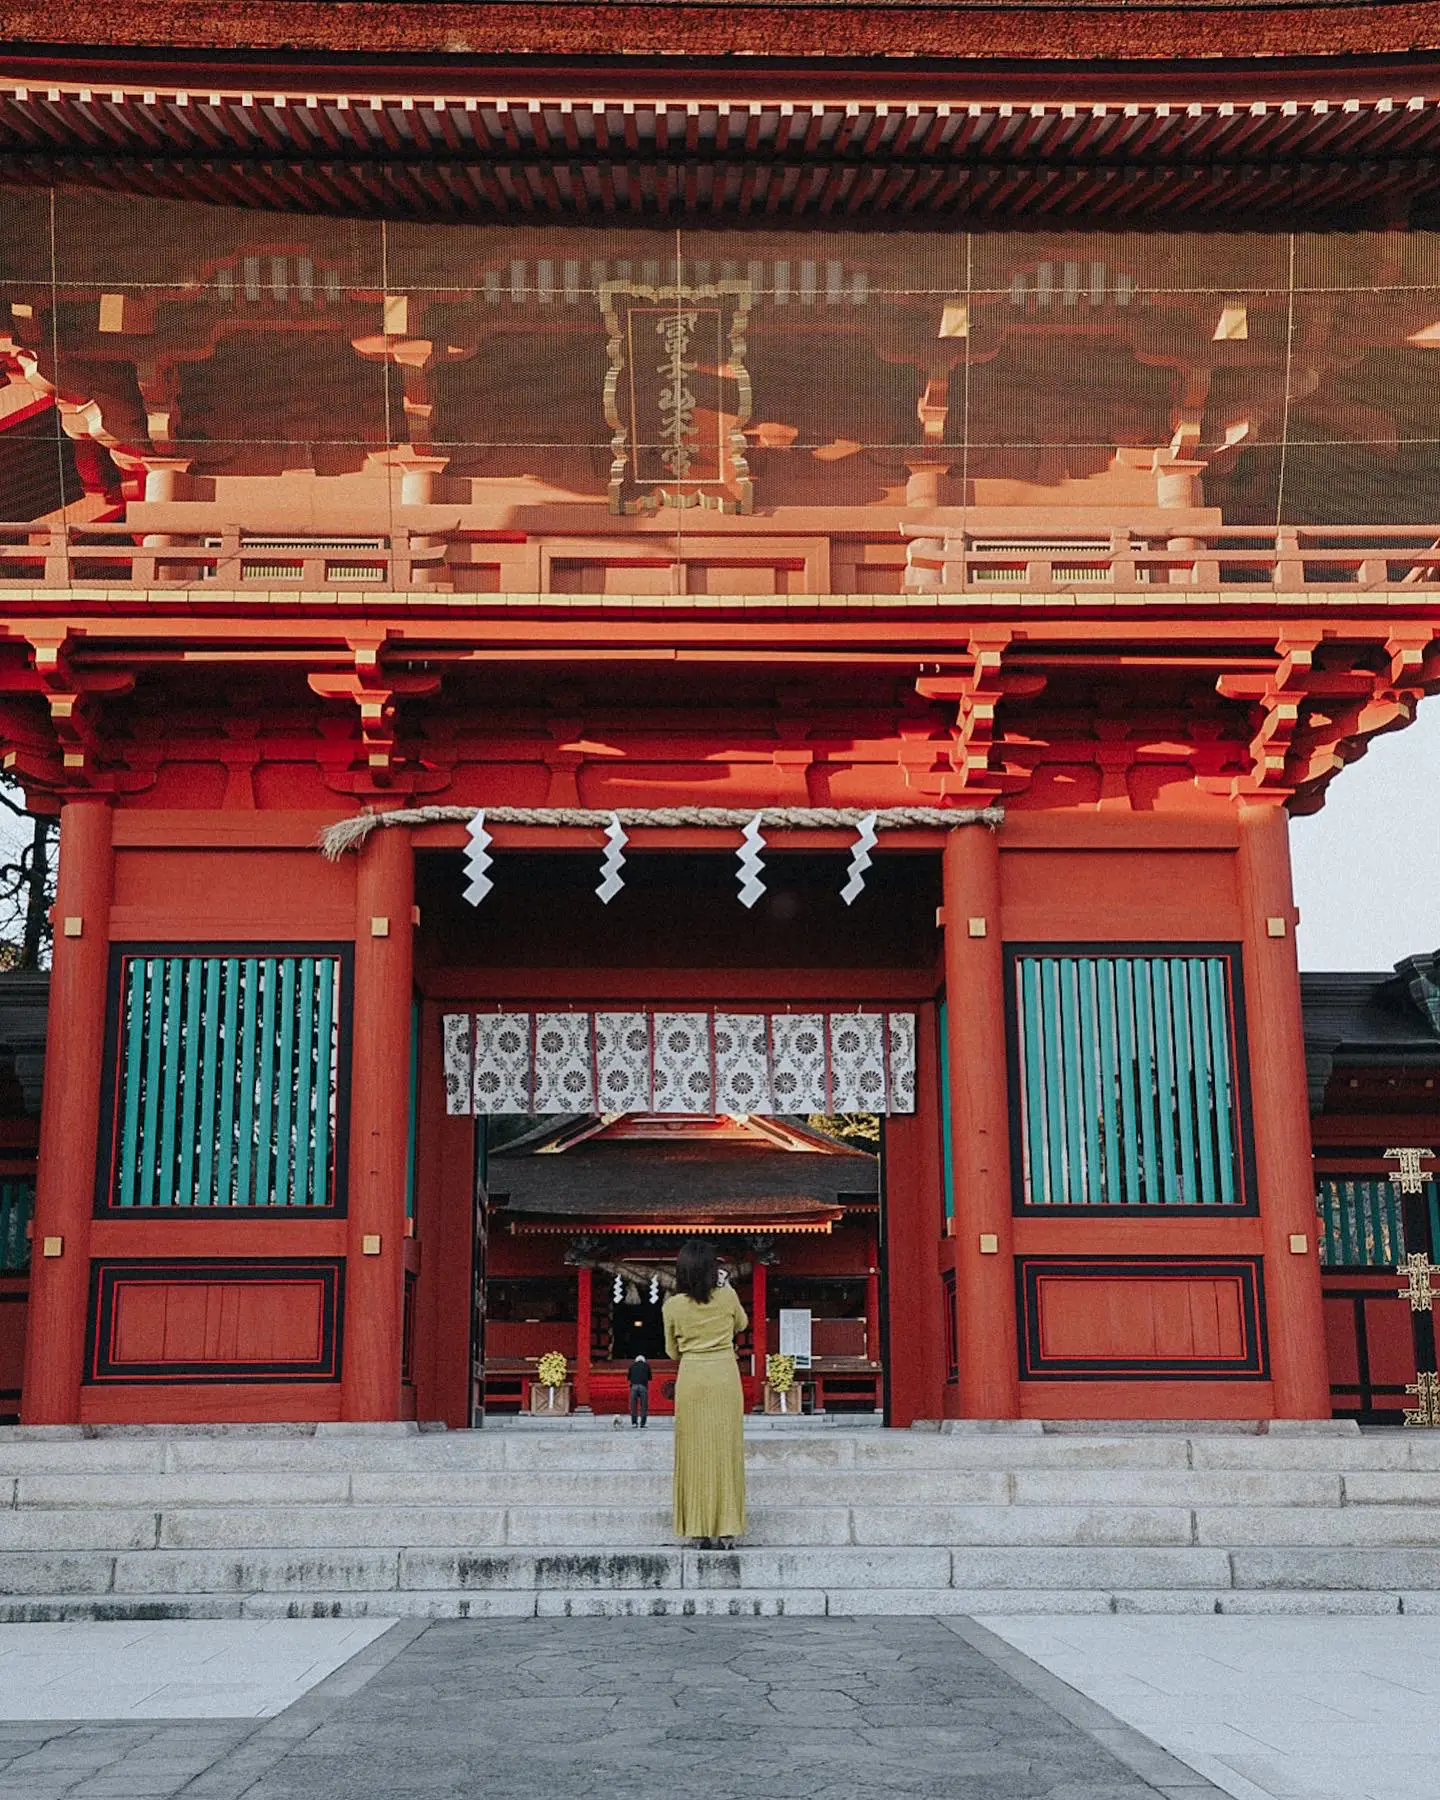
[{"x": 350, "y": 834}]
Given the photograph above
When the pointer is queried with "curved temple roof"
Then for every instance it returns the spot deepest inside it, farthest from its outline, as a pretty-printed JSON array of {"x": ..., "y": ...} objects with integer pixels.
[
  {"x": 1028, "y": 29},
  {"x": 945, "y": 110}
]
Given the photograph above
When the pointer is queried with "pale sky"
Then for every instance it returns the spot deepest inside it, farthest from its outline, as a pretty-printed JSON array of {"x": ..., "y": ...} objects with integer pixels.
[{"x": 1367, "y": 866}]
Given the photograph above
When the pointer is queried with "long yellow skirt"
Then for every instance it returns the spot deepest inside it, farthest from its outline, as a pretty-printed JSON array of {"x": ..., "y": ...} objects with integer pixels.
[{"x": 709, "y": 1446}]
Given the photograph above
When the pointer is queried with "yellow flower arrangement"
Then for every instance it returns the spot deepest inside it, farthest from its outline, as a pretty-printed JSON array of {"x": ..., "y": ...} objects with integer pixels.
[
  {"x": 553, "y": 1369},
  {"x": 780, "y": 1373}
]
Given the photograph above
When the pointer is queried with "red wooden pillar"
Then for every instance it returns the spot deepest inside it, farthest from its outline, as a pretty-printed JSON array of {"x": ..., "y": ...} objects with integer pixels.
[
  {"x": 980, "y": 1126},
  {"x": 1281, "y": 1115},
  {"x": 379, "y": 1126},
  {"x": 584, "y": 1311},
  {"x": 872, "y": 1316},
  {"x": 69, "y": 1117},
  {"x": 759, "y": 1305}
]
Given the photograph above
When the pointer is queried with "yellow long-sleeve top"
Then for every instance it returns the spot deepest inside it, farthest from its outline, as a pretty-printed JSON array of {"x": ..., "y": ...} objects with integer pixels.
[{"x": 695, "y": 1330}]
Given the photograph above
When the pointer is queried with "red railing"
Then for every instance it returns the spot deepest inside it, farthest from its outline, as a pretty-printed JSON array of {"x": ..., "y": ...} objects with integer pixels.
[
  {"x": 118, "y": 556},
  {"x": 1287, "y": 559},
  {"x": 1291, "y": 559}
]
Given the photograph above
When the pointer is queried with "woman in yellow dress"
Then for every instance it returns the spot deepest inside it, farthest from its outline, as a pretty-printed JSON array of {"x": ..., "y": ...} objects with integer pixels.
[{"x": 702, "y": 1319}]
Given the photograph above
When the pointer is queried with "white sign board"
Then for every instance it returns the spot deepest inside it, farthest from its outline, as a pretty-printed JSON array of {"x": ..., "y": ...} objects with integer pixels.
[{"x": 795, "y": 1334}]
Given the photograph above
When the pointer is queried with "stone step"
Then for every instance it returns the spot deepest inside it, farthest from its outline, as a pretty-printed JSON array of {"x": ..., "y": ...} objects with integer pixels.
[
  {"x": 681, "y": 1601},
  {"x": 283, "y": 1526},
  {"x": 301, "y": 1571},
  {"x": 768, "y": 1486},
  {"x": 273, "y": 1522},
  {"x": 225, "y": 1452}
]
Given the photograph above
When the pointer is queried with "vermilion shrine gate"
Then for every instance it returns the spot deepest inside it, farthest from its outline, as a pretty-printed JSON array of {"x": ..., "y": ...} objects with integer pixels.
[{"x": 1025, "y": 481}]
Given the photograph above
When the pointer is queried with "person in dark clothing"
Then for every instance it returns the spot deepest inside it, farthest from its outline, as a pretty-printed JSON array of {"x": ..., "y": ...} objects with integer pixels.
[{"x": 640, "y": 1373}]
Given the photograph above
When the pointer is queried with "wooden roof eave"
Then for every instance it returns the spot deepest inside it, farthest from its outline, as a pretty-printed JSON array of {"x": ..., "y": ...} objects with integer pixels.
[
  {"x": 950, "y": 146},
  {"x": 148, "y": 34}
]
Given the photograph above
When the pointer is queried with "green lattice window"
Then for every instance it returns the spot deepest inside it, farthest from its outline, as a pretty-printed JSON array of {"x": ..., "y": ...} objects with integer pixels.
[
  {"x": 1127, "y": 1090},
  {"x": 17, "y": 1209},
  {"x": 1362, "y": 1221},
  {"x": 227, "y": 1082}
]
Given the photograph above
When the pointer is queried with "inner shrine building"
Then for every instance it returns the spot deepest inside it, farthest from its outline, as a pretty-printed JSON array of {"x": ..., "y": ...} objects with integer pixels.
[{"x": 713, "y": 637}]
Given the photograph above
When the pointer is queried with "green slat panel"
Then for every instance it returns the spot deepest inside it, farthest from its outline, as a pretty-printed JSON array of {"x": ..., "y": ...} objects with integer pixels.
[
  {"x": 1127, "y": 1082},
  {"x": 1189, "y": 1184},
  {"x": 266, "y": 1179},
  {"x": 188, "y": 1055},
  {"x": 17, "y": 1208},
  {"x": 1165, "y": 1083},
  {"x": 1362, "y": 1222},
  {"x": 1129, "y": 1107},
  {"x": 227, "y": 1081},
  {"x": 285, "y": 1091},
  {"x": 1200, "y": 1039},
  {"x": 1111, "y": 1085},
  {"x": 1327, "y": 1211},
  {"x": 1037, "y": 1189},
  {"x": 1152, "y": 1183},
  {"x": 1227, "y": 1134},
  {"x": 1322, "y": 1227},
  {"x": 1072, "y": 1092},
  {"x": 1054, "y": 1089},
  {"x": 305, "y": 1086},
  {"x": 150, "y": 1112},
  {"x": 327, "y": 1078},
  {"x": 170, "y": 1050},
  {"x": 226, "y": 1146},
  {"x": 1094, "y": 1097},
  {"x": 245, "y": 1099},
  {"x": 209, "y": 1080},
  {"x": 134, "y": 1062}
]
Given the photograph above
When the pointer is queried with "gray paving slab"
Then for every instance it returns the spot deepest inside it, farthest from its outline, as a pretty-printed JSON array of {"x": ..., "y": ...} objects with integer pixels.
[{"x": 535, "y": 1709}]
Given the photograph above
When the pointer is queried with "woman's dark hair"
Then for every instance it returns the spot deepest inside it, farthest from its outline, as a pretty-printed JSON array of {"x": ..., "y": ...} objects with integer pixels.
[{"x": 697, "y": 1269}]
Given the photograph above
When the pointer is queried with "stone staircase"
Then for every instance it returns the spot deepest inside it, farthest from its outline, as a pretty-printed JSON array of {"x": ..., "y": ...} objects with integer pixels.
[{"x": 340, "y": 1520}]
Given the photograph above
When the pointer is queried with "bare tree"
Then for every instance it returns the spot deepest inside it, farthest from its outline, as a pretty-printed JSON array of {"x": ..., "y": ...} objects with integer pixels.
[{"x": 27, "y": 885}]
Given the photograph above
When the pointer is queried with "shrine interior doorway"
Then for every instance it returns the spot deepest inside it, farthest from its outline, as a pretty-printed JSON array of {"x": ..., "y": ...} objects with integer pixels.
[
  {"x": 586, "y": 1215},
  {"x": 568, "y": 1198}
]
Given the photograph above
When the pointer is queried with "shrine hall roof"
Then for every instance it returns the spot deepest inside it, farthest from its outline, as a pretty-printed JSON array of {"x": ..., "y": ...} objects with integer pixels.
[
  {"x": 686, "y": 1180},
  {"x": 1199, "y": 111},
  {"x": 1052, "y": 30},
  {"x": 1385, "y": 1027}
]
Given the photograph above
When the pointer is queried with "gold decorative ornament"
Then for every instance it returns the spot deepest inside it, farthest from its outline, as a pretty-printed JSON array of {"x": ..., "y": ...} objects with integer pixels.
[
  {"x": 1419, "y": 1290},
  {"x": 551, "y": 1372},
  {"x": 780, "y": 1377},
  {"x": 1426, "y": 1389},
  {"x": 1410, "y": 1172}
]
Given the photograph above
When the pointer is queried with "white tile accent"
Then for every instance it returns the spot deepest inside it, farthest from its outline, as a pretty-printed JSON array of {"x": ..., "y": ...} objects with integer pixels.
[
  {"x": 174, "y": 1669},
  {"x": 1266, "y": 1708}
]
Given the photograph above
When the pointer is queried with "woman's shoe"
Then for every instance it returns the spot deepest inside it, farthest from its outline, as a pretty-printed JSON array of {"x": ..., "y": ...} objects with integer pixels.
[
  {"x": 725, "y": 1543},
  {"x": 705, "y": 1543}
]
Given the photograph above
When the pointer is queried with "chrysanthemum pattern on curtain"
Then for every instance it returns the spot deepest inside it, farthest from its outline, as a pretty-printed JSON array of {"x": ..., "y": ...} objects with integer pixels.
[
  {"x": 742, "y": 1063},
  {"x": 679, "y": 1062},
  {"x": 622, "y": 1062},
  {"x": 799, "y": 1062},
  {"x": 564, "y": 1063},
  {"x": 683, "y": 1061}
]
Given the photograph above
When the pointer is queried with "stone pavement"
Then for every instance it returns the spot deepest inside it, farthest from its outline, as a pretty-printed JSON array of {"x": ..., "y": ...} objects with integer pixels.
[
  {"x": 642, "y": 1709},
  {"x": 1268, "y": 1709}
]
